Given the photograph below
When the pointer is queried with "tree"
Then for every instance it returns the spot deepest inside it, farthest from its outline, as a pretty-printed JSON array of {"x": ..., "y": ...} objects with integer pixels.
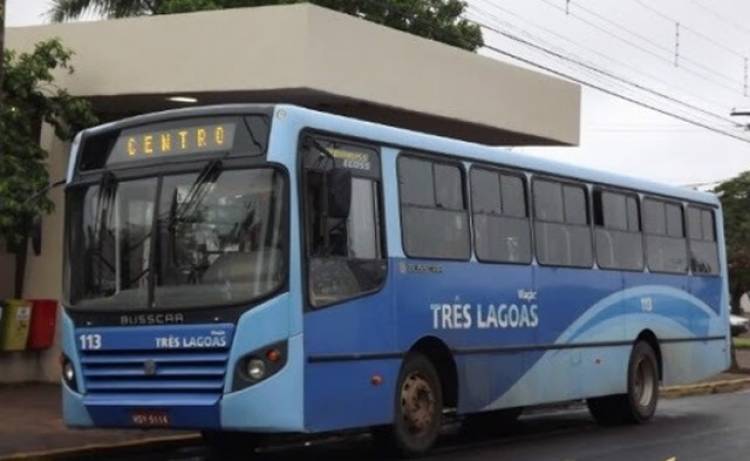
[
  {"x": 2, "y": 45},
  {"x": 31, "y": 98},
  {"x": 735, "y": 200},
  {"x": 439, "y": 20}
]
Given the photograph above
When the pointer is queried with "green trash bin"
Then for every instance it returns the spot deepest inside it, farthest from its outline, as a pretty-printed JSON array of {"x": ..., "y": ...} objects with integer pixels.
[{"x": 15, "y": 325}]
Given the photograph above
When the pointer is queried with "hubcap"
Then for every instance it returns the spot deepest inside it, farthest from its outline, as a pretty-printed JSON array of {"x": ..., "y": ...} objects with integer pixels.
[
  {"x": 645, "y": 381},
  {"x": 417, "y": 403}
]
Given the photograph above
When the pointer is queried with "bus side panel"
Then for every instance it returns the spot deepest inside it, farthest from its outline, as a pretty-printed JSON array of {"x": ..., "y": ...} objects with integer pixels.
[
  {"x": 352, "y": 363},
  {"x": 680, "y": 311},
  {"x": 467, "y": 306},
  {"x": 576, "y": 306}
]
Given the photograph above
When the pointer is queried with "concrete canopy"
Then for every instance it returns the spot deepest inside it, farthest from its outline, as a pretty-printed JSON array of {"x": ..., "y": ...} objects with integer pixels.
[{"x": 307, "y": 55}]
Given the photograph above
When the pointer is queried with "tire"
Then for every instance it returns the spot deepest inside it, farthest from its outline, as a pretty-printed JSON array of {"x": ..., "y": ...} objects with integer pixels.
[
  {"x": 639, "y": 404},
  {"x": 491, "y": 422},
  {"x": 418, "y": 409},
  {"x": 230, "y": 445}
]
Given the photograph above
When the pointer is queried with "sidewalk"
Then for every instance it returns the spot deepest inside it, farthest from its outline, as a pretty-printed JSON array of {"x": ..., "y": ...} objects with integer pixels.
[{"x": 31, "y": 421}]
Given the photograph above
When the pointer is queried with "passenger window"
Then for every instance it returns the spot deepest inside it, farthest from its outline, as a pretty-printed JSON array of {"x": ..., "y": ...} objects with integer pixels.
[
  {"x": 675, "y": 226},
  {"x": 501, "y": 233},
  {"x": 617, "y": 236},
  {"x": 575, "y": 205},
  {"x": 695, "y": 225},
  {"x": 634, "y": 219},
  {"x": 416, "y": 191},
  {"x": 345, "y": 250},
  {"x": 514, "y": 196},
  {"x": 485, "y": 192},
  {"x": 437, "y": 228},
  {"x": 709, "y": 226},
  {"x": 666, "y": 246},
  {"x": 562, "y": 233},
  {"x": 655, "y": 217},
  {"x": 448, "y": 187},
  {"x": 704, "y": 252},
  {"x": 548, "y": 201}
]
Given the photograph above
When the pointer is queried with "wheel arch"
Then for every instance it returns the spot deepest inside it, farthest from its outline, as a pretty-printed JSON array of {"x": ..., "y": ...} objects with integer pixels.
[
  {"x": 650, "y": 338},
  {"x": 441, "y": 357}
]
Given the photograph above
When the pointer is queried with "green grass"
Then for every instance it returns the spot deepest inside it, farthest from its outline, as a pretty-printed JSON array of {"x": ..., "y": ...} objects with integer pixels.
[{"x": 742, "y": 343}]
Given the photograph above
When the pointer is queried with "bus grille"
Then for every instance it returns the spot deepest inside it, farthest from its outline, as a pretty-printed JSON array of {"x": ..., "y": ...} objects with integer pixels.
[{"x": 155, "y": 372}]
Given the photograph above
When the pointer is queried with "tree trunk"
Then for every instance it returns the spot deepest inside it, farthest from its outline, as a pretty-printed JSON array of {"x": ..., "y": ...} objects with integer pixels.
[{"x": 21, "y": 257}]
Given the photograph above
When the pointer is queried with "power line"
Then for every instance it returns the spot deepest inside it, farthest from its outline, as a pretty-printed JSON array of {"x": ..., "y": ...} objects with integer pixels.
[
  {"x": 722, "y": 18},
  {"x": 615, "y": 86},
  {"x": 610, "y": 92},
  {"x": 661, "y": 57},
  {"x": 694, "y": 31},
  {"x": 608, "y": 74},
  {"x": 653, "y": 43},
  {"x": 605, "y": 90},
  {"x": 608, "y": 57}
]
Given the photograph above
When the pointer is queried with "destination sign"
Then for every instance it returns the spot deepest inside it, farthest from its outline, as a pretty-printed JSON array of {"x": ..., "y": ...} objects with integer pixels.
[
  {"x": 360, "y": 160},
  {"x": 138, "y": 145}
]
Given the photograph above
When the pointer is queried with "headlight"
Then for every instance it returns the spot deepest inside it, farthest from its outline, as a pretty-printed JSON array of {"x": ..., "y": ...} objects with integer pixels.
[
  {"x": 69, "y": 374},
  {"x": 256, "y": 369},
  {"x": 259, "y": 365}
]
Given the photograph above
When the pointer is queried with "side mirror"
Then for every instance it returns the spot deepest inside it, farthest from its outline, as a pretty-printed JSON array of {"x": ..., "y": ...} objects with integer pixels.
[
  {"x": 339, "y": 192},
  {"x": 36, "y": 235}
]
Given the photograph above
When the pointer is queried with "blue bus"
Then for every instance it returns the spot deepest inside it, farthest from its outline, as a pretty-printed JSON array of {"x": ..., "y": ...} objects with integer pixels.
[{"x": 245, "y": 270}]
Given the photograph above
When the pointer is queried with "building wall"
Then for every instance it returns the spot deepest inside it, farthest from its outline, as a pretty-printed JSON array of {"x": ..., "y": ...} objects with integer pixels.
[
  {"x": 43, "y": 277},
  {"x": 240, "y": 55}
]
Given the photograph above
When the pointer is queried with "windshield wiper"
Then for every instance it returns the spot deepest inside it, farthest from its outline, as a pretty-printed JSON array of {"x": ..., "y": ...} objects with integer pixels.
[
  {"x": 104, "y": 200},
  {"x": 197, "y": 192}
]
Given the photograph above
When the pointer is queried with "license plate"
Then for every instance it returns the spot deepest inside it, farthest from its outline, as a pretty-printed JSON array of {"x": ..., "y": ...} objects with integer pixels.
[{"x": 150, "y": 418}]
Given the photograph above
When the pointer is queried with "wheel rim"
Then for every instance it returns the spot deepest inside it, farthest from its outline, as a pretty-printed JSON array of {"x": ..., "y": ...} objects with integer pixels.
[
  {"x": 645, "y": 382},
  {"x": 417, "y": 403}
]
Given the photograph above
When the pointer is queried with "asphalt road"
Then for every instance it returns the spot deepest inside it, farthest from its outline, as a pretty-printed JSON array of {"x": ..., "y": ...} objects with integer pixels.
[{"x": 715, "y": 427}]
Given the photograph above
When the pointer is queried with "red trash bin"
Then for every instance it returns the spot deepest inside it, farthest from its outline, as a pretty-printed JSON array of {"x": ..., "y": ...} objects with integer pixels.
[{"x": 43, "y": 320}]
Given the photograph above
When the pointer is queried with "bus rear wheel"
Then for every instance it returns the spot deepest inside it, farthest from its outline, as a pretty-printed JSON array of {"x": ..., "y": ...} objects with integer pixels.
[
  {"x": 639, "y": 404},
  {"x": 418, "y": 408}
]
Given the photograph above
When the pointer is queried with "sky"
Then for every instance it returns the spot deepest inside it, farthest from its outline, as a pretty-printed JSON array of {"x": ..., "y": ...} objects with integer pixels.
[{"x": 634, "y": 41}]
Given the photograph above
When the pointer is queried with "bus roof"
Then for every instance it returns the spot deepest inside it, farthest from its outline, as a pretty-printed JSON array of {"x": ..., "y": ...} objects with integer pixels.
[{"x": 418, "y": 141}]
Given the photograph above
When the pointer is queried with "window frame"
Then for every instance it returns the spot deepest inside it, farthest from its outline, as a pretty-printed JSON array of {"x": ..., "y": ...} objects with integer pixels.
[
  {"x": 305, "y": 256},
  {"x": 434, "y": 159},
  {"x": 666, "y": 201},
  {"x": 500, "y": 171},
  {"x": 563, "y": 181},
  {"x": 627, "y": 194}
]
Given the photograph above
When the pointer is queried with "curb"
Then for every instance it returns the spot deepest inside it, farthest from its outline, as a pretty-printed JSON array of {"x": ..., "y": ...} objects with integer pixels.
[
  {"x": 102, "y": 449},
  {"x": 714, "y": 387}
]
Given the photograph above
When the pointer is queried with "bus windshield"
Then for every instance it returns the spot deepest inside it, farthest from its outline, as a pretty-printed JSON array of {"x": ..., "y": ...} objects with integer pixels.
[{"x": 217, "y": 239}]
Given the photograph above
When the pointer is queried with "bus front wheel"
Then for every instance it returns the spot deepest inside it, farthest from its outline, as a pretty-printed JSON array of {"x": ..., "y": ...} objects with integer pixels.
[
  {"x": 418, "y": 408},
  {"x": 639, "y": 404}
]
